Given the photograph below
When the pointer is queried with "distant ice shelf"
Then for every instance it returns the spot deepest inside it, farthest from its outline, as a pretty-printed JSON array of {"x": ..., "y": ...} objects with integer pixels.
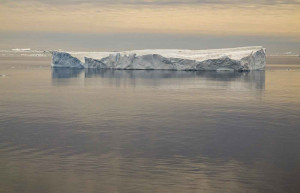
[
  {"x": 21, "y": 49},
  {"x": 232, "y": 59}
]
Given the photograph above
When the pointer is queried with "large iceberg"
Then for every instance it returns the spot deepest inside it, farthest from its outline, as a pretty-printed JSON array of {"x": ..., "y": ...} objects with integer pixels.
[{"x": 235, "y": 59}]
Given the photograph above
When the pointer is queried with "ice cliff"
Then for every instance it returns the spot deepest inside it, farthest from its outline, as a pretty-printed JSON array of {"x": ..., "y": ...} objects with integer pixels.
[{"x": 237, "y": 59}]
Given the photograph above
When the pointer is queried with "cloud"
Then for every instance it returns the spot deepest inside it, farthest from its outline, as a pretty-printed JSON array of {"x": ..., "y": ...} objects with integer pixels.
[
  {"x": 217, "y": 19},
  {"x": 157, "y": 2}
]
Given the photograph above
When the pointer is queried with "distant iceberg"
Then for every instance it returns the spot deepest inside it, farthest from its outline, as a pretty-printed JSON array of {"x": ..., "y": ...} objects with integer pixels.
[
  {"x": 21, "y": 49},
  {"x": 229, "y": 59}
]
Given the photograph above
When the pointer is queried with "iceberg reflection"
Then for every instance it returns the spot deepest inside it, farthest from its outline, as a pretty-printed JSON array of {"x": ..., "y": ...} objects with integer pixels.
[
  {"x": 65, "y": 72},
  {"x": 162, "y": 78}
]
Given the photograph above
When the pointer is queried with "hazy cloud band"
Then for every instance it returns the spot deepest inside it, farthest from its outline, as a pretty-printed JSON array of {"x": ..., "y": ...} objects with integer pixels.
[{"x": 157, "y": 2}]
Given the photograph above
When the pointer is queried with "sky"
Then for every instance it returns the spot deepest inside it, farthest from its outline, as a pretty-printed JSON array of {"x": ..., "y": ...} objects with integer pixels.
[{"x": 138, "y": 24}]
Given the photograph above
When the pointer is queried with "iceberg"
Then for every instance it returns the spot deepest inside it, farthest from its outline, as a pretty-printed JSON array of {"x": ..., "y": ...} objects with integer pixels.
[{"x": 229, "y": 59}]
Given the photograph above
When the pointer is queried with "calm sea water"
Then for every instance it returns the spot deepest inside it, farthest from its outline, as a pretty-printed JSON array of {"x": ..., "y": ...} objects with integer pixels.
[{"x": 148, "y": 131}]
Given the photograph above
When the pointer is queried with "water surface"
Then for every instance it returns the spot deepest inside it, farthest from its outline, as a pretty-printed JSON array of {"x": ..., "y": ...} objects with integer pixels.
[{"x": 65, "y": 130}]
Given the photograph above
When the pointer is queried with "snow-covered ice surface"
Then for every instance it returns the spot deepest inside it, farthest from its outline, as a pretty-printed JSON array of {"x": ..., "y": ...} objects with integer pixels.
[{"x": 237, "y": 59}]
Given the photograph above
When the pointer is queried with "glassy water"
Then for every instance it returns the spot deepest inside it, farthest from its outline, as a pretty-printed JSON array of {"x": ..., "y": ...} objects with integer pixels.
[{"x": 65, "y": 130}]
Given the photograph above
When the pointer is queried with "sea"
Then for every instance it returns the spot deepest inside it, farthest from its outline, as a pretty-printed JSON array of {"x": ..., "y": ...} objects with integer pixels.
[{"x": 132, "y": 131}]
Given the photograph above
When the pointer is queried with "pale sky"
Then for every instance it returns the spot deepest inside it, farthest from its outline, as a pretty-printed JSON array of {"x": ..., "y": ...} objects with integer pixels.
[{"x": 202, "y": 19}]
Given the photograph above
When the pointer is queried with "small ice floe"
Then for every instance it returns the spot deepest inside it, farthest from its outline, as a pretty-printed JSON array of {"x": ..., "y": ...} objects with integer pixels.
[{"x": 287, "y": 53}]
